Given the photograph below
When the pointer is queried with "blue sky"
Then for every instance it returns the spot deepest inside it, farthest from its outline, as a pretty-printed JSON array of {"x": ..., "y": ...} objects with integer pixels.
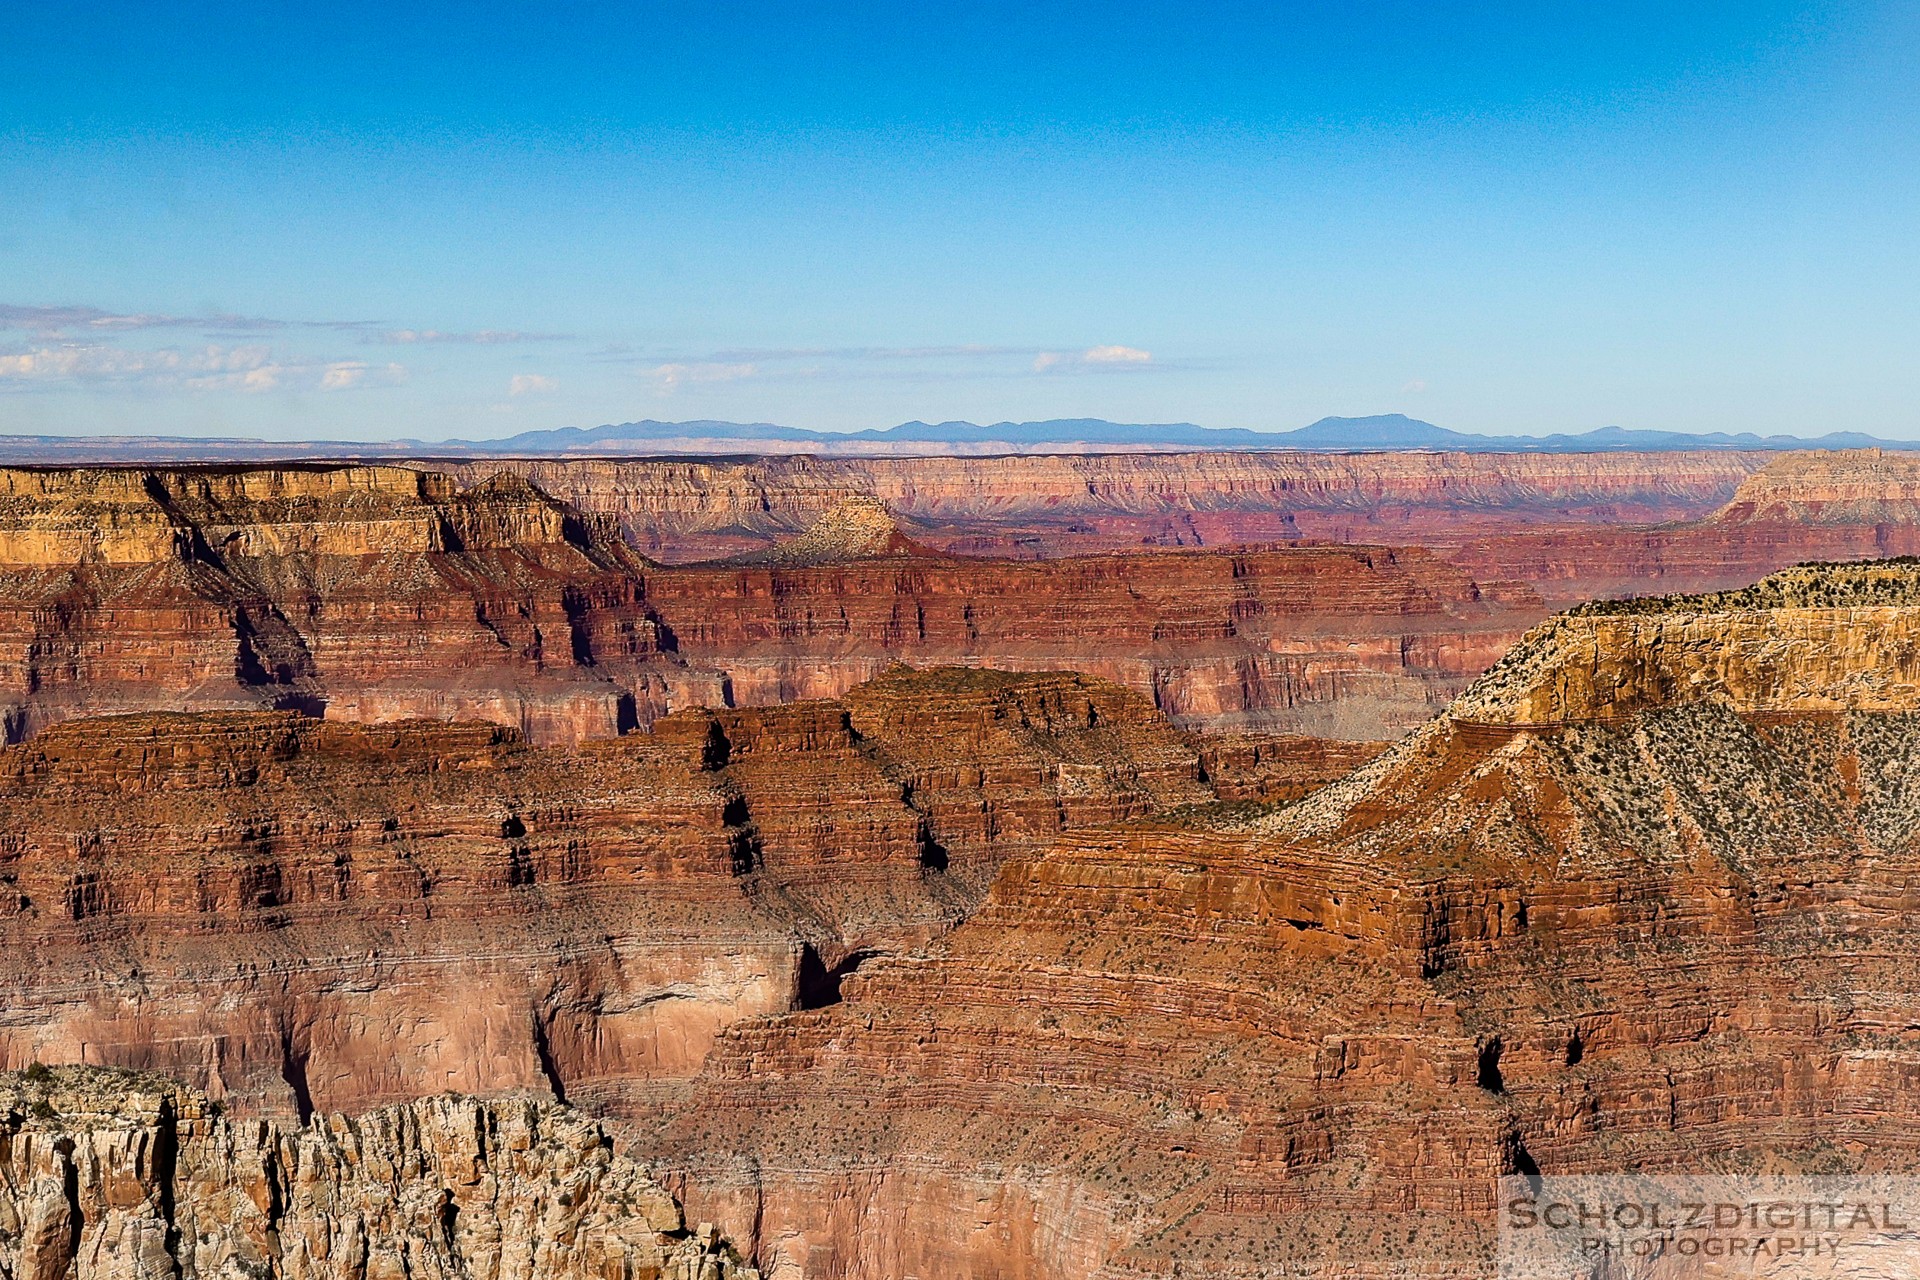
[{"x": 377, "y": 221}]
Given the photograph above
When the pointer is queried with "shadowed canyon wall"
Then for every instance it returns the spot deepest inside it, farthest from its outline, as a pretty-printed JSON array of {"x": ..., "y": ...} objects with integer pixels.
[
  {"x": 367, "y": 592},
  {"x": 956, "y": 972},
  {"x": 377, "y": 593}
]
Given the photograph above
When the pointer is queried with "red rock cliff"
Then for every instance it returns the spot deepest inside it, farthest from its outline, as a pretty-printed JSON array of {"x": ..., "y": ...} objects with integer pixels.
[
  {"x": 373, "y": 594},
  {"x": 1548, "y": 932},
  {"x": 369, "y": 592},
  {"x": 681, "y": 510},
  {"x": 297, "y": 914}
]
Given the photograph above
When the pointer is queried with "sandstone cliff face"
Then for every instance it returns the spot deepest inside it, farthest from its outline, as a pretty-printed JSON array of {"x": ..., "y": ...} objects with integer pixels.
[
  {"x": 1035, "y": 505},
  {"x": 1331, "y": 641},
  {"x": 378, "y": 593},
  {"x": 110, "y": 1176},
  {"x": 1813, "y": 638},
  {"x": 375, "y": 594},
  {"x": 1551, "y": 931},
  {"x": 296, "y": 914},
  {"x": 1856, "y": 504},
  {"x": 371, "y": 593},
  {"x": 1866, "y": 487}
]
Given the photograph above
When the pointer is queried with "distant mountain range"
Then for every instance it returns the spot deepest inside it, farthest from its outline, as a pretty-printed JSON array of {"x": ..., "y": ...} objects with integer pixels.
[{"x": 1381, "y": 432}]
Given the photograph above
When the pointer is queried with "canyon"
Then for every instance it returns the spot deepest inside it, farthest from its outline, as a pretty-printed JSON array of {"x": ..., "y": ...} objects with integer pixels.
[
  {"x": 1042, "y": 505},
  {"x": 400, "y": 866},
  {"x": 259, "y": 903},
  {"x": 374, "y": 594},
  {"x": 377, "y": 593},
  {"x": 971, "y": 974},
  {"x": 1651, "y": 916}
]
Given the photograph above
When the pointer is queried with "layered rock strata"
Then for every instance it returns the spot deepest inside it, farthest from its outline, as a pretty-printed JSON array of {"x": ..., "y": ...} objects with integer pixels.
[
  {"x": 297, "y": 914},
  {"x": 1652, "y": 916},
  {"x": 1859, "y": 487},
  {"x": 1859, "y": 504},
  {"x": 112, "y": 1176},
  {"x": 1572, "y": 527},
  {"x": 678, "y": 509},
  {"x": 376, "y": 594},
  {"x": 365, "y": 592},
  {"x": 1328, "y": 641}
]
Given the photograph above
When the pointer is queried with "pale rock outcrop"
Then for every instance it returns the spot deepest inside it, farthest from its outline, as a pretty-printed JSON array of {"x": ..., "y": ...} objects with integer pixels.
[{"x": 107, "y": 1175}]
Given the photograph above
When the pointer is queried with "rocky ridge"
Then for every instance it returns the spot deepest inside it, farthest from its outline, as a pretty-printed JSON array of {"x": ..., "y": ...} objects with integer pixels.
[
  {"x": 299, "y": 915},
  {"x": 858, "y": 528},
  {"x": 1866, "y": 487},
  {"x": 114, "y": 1176},
  {"x": 681, "y": 509},
  {"x": 366, "y": 592},
  {"x": 1820, "y": 637},
  {"x": 1545, "y": 934},
  {"x": 375, "y": 594}
]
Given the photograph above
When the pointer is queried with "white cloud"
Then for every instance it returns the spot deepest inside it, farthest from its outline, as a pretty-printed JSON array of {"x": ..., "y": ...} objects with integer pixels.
[
  {"x": 57, "y": 321},
  {"x": 775, "y": 355},
  {"x": 1418, "y": 384},
  {"x": 1107, "y": 357},
  {"x": 248, "y": 368},
  {"x": 671, "y": 377},
  {"x": 526, "y": 384}
]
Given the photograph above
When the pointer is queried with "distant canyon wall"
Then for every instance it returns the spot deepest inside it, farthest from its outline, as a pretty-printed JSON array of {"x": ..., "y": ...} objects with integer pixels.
[
  {"x": 374, "y": 594},
  {"x": 371, "y": 594},
  {"x": 679, "y": 509}
]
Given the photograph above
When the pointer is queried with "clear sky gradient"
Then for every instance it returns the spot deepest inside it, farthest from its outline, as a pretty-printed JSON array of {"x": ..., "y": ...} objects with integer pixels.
[{"x": 377, "y": 221}]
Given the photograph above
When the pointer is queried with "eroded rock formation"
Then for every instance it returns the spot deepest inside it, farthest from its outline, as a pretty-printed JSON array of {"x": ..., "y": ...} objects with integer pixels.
[
  {"x": 297, "y": 914},
  {"x": 376, "y": 594},
  {"x": 113, "y": 1176},
  {"x": 368, "y": 592},
  {"x": 679, "y": 509},
  {"x": 1351, "y": 642},
  {"x": 1551, "y": 931}
]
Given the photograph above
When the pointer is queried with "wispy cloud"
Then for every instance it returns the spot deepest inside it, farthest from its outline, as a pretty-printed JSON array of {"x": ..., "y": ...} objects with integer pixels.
[
  {"x": 478, "y": 337},
  {"x": 249, "y": 368},
  {"x": 97, "y": 322},
  {"x": 932, "y": 363},
  {"x": 343, "y": 375},
  {"x": 776, "y": 355},
  {"x": 1107, "y": 357},
  {"x": 528, "y": 384},
  {"x": 54, "y": 321},
  {"x": 671, "y": 377}
]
